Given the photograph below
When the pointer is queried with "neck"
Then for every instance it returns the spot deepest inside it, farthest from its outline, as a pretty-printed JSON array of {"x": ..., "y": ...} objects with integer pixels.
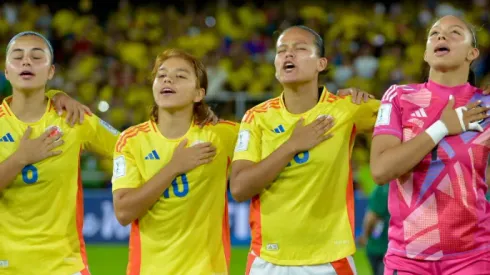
[
  {"x": 174, "y": 124},
  {"x": 449, "y": 78},
  {"x": 300, "y": 98},
  {"x": 28, "y": 106}
]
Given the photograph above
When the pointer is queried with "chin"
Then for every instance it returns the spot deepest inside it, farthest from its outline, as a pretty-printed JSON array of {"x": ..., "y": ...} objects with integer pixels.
[
  {"x": 292, "y": 80},
  {"x": 27, "y": 86},
  {"x": 443, "y": 65}
]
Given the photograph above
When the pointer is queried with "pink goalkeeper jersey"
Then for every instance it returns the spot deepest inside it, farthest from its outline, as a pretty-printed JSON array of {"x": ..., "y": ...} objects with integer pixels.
[{"x": 438, "y": 210}]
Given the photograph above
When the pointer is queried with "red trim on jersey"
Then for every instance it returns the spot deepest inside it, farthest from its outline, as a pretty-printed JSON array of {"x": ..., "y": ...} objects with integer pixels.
[
  {"x": 153, "y": 125},
  {"x": 342, "y": 267},
  {"x": 6, "y": 108},
  {"x": 85, "y": 271},
  {"x": 227, "y": 122},
  {"x": 226, "y": 234},
  {"x": 331, "y": 98},
  {"x": 256, "y": 225},
  {"x": 79, "y": 211},
  {"x": 274, "y": 103},
  {"x": 226, "y": 222},
  {"x": 132, "y": 132},
  {"x": 250, "y": 260},
  {"x": 51, "y": 103},
  {"x": 134, "y": 263},
  {"x": 324, "y": 95},
  {"x": 350, "y": 185}
]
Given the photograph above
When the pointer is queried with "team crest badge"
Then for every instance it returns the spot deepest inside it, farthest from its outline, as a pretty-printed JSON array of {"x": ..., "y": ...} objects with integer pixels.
[{"x": 54, "y": 130}]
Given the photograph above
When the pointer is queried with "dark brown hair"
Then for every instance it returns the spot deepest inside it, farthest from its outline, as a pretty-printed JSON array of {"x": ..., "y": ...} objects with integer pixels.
[
  {"x": 474, "y": 43},
  {"x": 201, "y": 109}
]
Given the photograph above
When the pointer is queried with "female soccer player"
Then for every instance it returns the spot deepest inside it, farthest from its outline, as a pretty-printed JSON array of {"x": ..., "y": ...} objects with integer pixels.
[
  {"x": 432, "y": 142},
  {"x": 41, "y": 209},
  {"x": 293, "y": 161},
  {"x": 170, "y": 177}
]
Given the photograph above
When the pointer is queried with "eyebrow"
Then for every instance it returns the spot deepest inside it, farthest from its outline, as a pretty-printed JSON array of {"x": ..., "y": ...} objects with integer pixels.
[
  {"x": 294, "y": 44},
  {"x": 178, "y": 70},
  {"x": 21, "y": 50},
  {"x": 452, "y": 26}
]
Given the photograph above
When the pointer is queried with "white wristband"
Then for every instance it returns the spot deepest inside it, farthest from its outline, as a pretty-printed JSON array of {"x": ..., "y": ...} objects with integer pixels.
[{"x": 437, "y": 131}]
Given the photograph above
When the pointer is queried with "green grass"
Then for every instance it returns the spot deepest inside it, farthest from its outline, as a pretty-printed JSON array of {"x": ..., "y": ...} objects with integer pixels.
[{"x": 112, "y": 260}]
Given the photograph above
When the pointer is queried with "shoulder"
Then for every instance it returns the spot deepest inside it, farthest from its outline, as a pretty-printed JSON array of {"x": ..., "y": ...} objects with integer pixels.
[
  {"x": 133, "y": 133},
  {"x": 4, "y": 112},
  {"x": 224, "y": 125},
  {"x": 223, "y": 128},
  {"x": 395, "y": 91},
  {"x": 268, "y": 106}
]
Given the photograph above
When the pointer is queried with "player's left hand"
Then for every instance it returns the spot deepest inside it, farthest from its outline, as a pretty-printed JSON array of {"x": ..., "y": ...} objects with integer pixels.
[
  {"x": 211, "y": 118},
  {"x": 358, "y": 96},
  {"x": 362, "y": 241},
  {"x": 486, "y": 91},
  {"x": 75, "y": 111}
]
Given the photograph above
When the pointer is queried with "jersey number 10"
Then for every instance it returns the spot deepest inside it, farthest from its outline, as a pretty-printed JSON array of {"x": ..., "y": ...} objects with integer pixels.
[
  {"x": 175, "y": 187},
  {"x": 300, "y": 158},
  {"x": 29, "y": 174}
]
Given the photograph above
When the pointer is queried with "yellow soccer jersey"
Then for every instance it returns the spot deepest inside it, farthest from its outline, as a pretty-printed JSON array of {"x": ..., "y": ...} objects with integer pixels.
[
  {"x": 41, "y": 212},
  {"x": 186, "y": 231},
  {"x": 306, "y": 217}
]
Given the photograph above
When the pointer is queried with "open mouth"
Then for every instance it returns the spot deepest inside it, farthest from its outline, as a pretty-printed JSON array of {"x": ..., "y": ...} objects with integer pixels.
[
  {"x": 26, "y": 73},
  {"x": 441, "y": 50},
  {"x": 288, "y": 66},
  {"x": 166, "y": 91}
]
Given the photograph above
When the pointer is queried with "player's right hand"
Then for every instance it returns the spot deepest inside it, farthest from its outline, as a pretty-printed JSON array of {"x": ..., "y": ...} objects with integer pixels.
[
  {"x": 34, "y": 150},
  {"x": 470, "y": 115},
  {"x": 185, "y": 158},
  {"x": 305, "y": 137}
]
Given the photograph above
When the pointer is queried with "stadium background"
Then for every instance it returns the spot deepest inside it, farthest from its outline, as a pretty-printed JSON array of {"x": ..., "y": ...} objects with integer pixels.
[{"x": 104, "y": 51}]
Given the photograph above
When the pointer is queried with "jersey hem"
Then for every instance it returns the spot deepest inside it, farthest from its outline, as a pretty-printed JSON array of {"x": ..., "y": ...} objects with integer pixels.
[
  {"x": 453, "y": 256},
  {"x": 305, "y": 261}
]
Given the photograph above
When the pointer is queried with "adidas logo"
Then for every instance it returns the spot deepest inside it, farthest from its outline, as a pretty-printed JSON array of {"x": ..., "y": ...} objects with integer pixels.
[
  {"x": 279, "y": 129},
  {"x": 419, "y": 113},
  {"x": 152, "y": 155},
  {"x": 7, "y": 138}
]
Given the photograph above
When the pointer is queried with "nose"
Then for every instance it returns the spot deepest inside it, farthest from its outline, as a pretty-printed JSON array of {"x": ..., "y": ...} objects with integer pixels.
[
  {"x": 167, "y": 79},
  {"x": 26, "y": 61},
  {"x": 441, "y": 36},
  {"x": 289, "y": 53}
]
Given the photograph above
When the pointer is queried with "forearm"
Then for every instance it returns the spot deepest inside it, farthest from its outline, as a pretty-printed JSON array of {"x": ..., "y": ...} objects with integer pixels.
[
  {"x": 136, "y": 202},
  {"x": 400, "y": 159},
  {"x": 252, "y": 180},
  {"x": 369, "y": 224},
  {"x": 9, "y": 169}
]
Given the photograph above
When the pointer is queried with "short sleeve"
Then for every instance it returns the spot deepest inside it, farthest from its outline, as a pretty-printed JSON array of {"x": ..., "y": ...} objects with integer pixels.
[
  {"x": 365, "y": 116},
  {"x": 100, "y": 136},
  {"x": 389, "y": 121},
  {"x": 126, "y": 173},
  {"x": 248, "y": 144},
  {"x": 51, "y": 93},
  {"x": 228, "y": 132}
]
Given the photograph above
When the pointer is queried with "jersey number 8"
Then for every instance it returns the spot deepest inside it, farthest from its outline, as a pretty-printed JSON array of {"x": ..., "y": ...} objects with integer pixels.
[
  {"x": 29, "y": 174},
  {"x": 175, "y": 186}
]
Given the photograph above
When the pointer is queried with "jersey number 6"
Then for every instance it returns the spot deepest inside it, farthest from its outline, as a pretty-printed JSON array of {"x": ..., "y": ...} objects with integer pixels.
[
  {"x": 175, "y": 187},
  {"x": 29, "y": 174}
]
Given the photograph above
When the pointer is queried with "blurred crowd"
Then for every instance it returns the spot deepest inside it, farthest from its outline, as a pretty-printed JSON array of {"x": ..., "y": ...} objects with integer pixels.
[{"x": 106, "y": 62}]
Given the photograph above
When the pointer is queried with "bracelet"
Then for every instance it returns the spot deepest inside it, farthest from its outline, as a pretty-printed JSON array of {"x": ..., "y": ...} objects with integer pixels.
[{"x": 437, "y": 131}]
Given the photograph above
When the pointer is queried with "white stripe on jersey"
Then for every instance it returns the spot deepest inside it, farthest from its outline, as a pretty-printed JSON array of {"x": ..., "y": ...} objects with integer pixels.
[{"x": 388, "y": 93}]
